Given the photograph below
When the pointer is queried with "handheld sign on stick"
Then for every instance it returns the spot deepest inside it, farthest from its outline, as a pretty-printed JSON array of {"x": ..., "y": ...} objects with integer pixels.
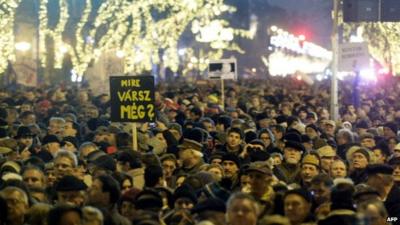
[
  {"x": 132, "y": 100},
  {"x": 224, "y": 69}
]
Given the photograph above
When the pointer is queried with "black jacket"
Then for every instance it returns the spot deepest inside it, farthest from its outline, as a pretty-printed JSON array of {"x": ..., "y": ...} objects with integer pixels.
[{"x": 392, "y": 203}]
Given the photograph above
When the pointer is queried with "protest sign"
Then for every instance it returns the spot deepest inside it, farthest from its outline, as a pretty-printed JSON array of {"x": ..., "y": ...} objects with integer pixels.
[{"x": 132, "y": 99}]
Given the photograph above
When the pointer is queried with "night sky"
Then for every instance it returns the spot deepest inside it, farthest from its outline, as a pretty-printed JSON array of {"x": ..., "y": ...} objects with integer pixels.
[{"x": 316, "y": 16}]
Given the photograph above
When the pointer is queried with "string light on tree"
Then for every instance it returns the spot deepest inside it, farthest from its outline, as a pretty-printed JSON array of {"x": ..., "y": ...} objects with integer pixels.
[{"x": 140, "y": 29}]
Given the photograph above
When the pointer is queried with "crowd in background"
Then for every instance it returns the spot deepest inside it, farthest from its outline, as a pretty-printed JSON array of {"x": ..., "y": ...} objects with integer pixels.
[{"x": 269, "y": 154}]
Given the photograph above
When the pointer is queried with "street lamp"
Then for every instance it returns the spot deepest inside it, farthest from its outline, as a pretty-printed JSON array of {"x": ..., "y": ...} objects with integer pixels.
[
  {"x": 22, "y": 46},
  {"x": 63, "y": 49},
  {"x": 120, "y": 54}
]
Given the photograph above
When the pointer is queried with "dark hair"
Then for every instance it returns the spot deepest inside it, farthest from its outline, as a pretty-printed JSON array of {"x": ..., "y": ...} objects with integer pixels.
[
  {"x": 225, "y": 120},
  {"x": 32, "y": 167},
  {"x": 35, "y": 162},
  {"x": 152, "y": 175},
  {"x": 110, "y": 185},
  {"x": 121, "y": 177},
  {"x": 197, "y": 111},
  {"x": 56, "y": 213},
  {"x": 383, "y": 146},
  {"x": 128, "y": 156},
  {"x": 322, "y": 179},
  {"x": 123, "y": 139},
  {"x": 279, "y": 128},
  {"x": 236, "y": 130},
  {"x": 26, "y": 114}
]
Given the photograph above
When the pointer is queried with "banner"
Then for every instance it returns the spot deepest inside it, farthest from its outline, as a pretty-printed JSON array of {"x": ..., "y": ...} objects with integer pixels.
[{"x": 132, "y": 98}]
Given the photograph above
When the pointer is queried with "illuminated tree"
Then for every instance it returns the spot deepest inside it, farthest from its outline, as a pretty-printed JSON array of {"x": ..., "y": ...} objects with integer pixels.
[
  {"x": 7, "y": 16},
  {"x": 383, "y": 40},
  {"x": 143, "y": 33}
]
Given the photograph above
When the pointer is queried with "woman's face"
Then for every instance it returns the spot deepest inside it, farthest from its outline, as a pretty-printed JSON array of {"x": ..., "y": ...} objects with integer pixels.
[
  {"x": 265, "y": 138},
  {"x": 126, "y": 185}
]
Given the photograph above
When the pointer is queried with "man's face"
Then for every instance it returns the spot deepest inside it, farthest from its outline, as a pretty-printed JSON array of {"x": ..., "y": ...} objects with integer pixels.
[
  {"x": 71, "y": 218},
  {"x": 26, "y": 141},
  {"x": 56, "y": 128},
  {"x": 186, "y": 156},
  {"x": 16, "y": 204},
  {"x": 259, "y": 182},
  {"x": 296, "y": 208},
  {"x": 359, "y": 161},
  {"x": 29, "y": 120},
  {"x": 376, "y": 181},
  {"x": 208, "y": 126},
  {"x": 379, "y": 157},
  {"x": 242, "y": 211},
  {"x": 128, "y": 210},
  {"x": 278, "y": 135},
  {"x": 308, "y": 172},
  {"x": 216, "y": 161},
  {"x": 220, "y": 127},
  {"x": 311, "y": 133},
  {"x": 75, "y": 198},
  {"x": 218, "y": 173},
  {"x": 69, "y": 147},
  {"x": 29, "y": 95},
  {"x": 183, "y": 203},
  {"x": 230, "y": 168},
  {"x": 168, "y": 167},
  {"x": 338, "y": 169},
  {"x": 291, "y": 155},
  {"x": 368, "y": 143},
  {"x": 69, "y": 130},
  {"x": 96, "y": 194},
  {"x": 53, "y": 147},
  {"x": 265, "y": 138},
  {"x": 26, "y": 107},
  {"x": 302, "y": 115},
  {"x": 320, "y": 192},
  {"x": 233, "y": 139},
  {"x": 63, "y": 166},
  {"x": 34, "y": 179},
  {"x": 326, "y": 162},
  {"x": 396, "y": 172},
  {"x": 83, "y": 96},
  {"x": 264, "y": 123},
  {"x": 387, "y": 132},
  {"x": 176, "y": 134},
  {"x": 329, "y": 129},
  {"x": 85, "y": 151},
  {"x": 91, "y": 112},
  {"x": 106, "y": 137}
]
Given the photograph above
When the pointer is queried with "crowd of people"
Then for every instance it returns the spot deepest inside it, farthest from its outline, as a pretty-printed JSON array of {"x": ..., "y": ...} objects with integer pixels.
[{"x": 269, "y": 154}]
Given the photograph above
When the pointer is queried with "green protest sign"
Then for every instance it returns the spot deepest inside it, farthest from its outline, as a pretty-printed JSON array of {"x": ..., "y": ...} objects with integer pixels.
[{"x": 132, "y": 99}]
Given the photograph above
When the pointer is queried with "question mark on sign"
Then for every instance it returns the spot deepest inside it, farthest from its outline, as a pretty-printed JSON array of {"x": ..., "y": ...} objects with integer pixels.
[{"x": 150, "y": 111}]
